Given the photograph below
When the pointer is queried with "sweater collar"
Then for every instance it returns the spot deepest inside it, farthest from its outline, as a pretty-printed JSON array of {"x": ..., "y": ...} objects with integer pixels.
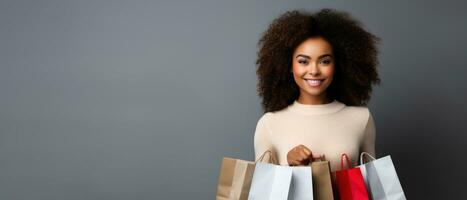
[{"x": 318, "y": 109}]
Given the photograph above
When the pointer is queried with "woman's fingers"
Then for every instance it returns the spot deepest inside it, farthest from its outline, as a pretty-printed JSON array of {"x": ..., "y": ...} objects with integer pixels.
[
  {"x": 316, "y": 155},
  {"x": 293, "y": 162},
  {"x": 305, "y": 155},
  {"x": 310, "y": 154},
  {"x": 302, "y": 155},
  {"x": 307, "y": 151}
]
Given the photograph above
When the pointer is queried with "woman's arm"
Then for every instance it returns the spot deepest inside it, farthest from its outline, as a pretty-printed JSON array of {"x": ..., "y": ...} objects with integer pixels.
[
  {"x": 262, "y": 139},
  {"x": 369, "y": 138}
]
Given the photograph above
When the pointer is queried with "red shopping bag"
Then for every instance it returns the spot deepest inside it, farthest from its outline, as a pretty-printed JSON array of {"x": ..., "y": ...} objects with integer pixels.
[{"x": 349, "y": 182}]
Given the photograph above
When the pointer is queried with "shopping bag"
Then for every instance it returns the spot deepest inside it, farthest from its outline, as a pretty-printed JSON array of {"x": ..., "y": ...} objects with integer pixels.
[
  {"x": 235, "y": 177},
  {"x": 322, "y": 185},
  {"x": 349, "y": 182},
  {"x": 301, "y": 185},
  {"x": 381, "y": 178},
  {"x": 270, "y": 182}
]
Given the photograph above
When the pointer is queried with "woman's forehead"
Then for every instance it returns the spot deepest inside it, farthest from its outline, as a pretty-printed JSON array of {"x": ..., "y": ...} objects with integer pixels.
[{"x": 314, "y": 47}]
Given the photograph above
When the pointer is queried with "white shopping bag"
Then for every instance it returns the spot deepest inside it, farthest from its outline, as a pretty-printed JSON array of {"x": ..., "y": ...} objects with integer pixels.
[
  {"x": 270, "y": 182},
  {"x": 381, "y": 178},
  {"x": 301, "y": 186}
]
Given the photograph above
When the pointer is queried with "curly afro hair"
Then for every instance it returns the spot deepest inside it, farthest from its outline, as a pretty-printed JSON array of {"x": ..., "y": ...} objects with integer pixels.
[{"x": 353, "y": 47}]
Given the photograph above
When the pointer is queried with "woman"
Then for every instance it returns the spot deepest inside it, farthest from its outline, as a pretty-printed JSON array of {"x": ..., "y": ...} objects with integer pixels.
[{"x": 316, "y": 72}]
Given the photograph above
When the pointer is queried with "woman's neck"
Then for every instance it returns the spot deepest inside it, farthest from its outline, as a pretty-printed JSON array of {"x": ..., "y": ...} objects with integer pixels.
[{"x": 314, "y": 100}]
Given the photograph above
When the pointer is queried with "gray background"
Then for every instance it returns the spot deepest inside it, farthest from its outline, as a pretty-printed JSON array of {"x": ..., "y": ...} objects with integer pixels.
[{"x": 142, "y": 99}]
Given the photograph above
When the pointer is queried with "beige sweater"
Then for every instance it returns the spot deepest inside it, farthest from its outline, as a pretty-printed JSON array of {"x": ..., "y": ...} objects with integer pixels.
[{"x": 330, "y": 129}]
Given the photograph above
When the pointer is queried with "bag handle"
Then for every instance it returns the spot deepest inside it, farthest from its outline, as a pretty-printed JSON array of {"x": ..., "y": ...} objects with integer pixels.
[
  {"x": 342, "y": 160},
  {"x": 365, "y": 153},
  {"x": 321, "y": 158},
  {"x": 272, "y": 159}
]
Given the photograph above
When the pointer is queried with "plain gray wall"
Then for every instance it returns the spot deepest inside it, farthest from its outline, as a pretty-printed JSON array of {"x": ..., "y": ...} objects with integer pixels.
[{"x": 142, "y": 99}]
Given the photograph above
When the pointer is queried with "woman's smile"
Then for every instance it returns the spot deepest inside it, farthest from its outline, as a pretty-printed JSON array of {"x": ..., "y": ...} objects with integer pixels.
[{"x": 314, "y": 82}]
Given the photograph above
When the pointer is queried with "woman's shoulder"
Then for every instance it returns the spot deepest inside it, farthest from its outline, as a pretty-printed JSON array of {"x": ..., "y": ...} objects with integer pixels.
[
  {"x": 270, "y": 117},
  {"x": 266, "y": 116},
  {"x": 357, "y": 115},
  {"x": 362, "y": 112}
]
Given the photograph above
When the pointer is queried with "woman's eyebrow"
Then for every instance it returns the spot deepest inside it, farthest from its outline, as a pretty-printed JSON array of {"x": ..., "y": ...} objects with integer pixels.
[{"x": 324, "y": 55}]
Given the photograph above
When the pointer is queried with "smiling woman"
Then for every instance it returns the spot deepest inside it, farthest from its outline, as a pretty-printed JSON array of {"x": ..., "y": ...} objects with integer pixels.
[{"x": 316, "y": 72}]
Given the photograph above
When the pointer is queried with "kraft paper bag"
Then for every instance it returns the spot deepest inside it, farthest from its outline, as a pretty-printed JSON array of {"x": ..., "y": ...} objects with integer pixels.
[
  {"x": 270, "y": 182},
  {"x": 301, "y": 185},
  {"x": 381, "y": 178},
  {"x": 235, "y": 177},
  {"x": 322, "y": 184}
]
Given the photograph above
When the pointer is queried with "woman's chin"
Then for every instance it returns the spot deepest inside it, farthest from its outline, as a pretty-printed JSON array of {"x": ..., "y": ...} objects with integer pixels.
[{"x": 315, "y": 92}]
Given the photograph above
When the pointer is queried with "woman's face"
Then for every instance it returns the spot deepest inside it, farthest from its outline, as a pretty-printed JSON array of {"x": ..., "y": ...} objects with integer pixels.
[{"x": 313, "y": 69}]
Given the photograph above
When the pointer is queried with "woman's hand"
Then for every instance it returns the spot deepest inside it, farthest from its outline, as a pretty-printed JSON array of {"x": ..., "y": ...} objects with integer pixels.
[{"x": 301, "y": 155}]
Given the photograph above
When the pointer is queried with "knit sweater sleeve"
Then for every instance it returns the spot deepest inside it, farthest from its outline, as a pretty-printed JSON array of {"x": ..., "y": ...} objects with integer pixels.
[
  {"x": 369, "y": 138},
  {"x": 262, "y": 139}
]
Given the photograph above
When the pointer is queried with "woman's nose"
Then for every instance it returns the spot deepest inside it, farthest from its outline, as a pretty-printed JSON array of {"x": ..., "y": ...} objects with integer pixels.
[{"x": 314, "y": 70}]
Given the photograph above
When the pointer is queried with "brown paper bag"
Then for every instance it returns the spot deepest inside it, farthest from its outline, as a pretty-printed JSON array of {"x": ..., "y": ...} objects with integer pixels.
[
  {"x": 322, "y": 185},
  {"x": 236, "y": 175}
]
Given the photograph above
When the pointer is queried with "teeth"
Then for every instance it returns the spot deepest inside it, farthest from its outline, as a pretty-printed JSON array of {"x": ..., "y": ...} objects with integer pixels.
[{"x": 314, "y": 82}]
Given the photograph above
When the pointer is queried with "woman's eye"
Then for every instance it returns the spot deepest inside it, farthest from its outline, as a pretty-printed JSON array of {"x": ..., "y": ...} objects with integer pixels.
[
  {"x": 326, "y": 62},
  {"x": 302, "y": 62}
]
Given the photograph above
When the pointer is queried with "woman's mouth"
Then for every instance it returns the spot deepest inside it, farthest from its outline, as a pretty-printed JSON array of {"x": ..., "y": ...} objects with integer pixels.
[{"x": 314, "y": 82}]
